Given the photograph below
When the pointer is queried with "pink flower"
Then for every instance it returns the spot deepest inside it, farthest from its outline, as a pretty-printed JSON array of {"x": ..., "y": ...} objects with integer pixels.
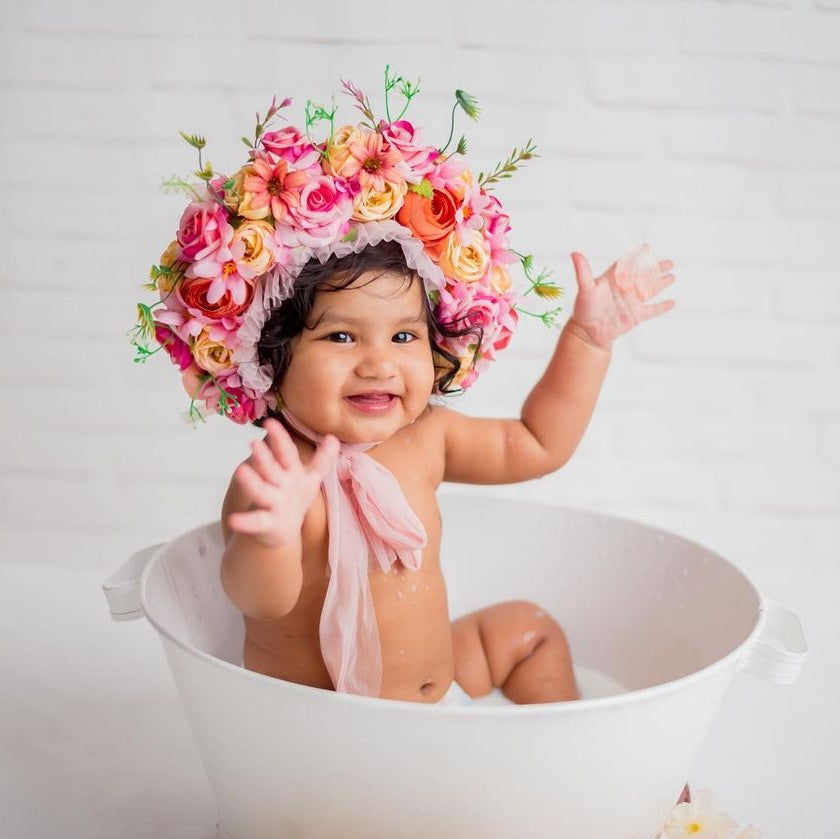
[
  {"x": 290, "y": 145},
  {"x": 402, "y": 135},
  {"x": 374, "y": 162},
  {"x": 176, "y": 349},
  {"x": 237, "y": 403},
  {"x": 446, "y": 174},
  {"x": 473, "y": 306},
  {"x": 227, "y": 269},
  {"x": 270, "y": 187},
  {"x": 469, "y": 215},
  {"x": 322, "y": 215},
  {"x": 200, "y": 229}
]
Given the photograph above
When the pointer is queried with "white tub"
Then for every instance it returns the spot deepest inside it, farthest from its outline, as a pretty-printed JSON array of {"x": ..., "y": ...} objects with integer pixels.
[{"x": 663, "y": 616}]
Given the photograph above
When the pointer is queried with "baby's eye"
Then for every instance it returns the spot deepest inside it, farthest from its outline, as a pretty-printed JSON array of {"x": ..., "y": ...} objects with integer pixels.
[
  {"x": 404, "y": 337},
  {"x": 339, "y": 337}
]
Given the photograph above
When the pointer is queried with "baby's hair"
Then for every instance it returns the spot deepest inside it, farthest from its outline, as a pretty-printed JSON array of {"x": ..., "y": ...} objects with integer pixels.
[{"x": 291, "y": 317}]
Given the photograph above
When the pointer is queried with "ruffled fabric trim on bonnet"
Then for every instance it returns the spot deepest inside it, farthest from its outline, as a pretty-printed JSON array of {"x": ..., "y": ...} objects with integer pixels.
[{"x": 278, "y": 285}]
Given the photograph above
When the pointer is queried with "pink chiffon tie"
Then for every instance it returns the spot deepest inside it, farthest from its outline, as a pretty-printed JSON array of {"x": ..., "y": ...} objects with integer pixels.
[{"x": 371, "y": 525}]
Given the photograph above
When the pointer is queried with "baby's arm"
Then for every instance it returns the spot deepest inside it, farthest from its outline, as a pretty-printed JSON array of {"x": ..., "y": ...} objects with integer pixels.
[
  {"x": 558, "y": 409},
  {"x": 262, "y": 518}
]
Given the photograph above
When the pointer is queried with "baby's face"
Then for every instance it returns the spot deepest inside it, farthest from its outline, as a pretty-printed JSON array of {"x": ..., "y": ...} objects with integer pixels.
[{"x": 365, "y": 370}]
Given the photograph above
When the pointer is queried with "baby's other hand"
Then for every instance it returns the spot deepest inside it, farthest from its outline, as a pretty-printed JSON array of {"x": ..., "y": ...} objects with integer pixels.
[
  {"x": 279, "y": 487},
  {"x": 616, "y": 301}
]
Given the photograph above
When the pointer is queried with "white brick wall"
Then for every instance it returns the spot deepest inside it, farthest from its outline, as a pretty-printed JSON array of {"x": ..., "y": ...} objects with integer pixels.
[{"x": 710, "y": 128}]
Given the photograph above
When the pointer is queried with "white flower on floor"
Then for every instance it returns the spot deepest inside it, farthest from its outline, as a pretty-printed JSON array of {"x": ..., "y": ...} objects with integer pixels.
[{"x": 699, "y": 820}]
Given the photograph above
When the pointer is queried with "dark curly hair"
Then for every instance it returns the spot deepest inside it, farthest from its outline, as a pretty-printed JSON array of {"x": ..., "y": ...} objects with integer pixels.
[{"x": 291, "y": 317}]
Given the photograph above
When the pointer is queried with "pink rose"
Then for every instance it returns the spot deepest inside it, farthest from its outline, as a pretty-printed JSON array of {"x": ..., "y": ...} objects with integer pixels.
[
  {"x": 200, "y": 230},
  {"x": 292, "y": 146},
  {"x": 403, "y": 136},
  {"x": 176, "y": 349},
  {"x": 322, "y": 215}
]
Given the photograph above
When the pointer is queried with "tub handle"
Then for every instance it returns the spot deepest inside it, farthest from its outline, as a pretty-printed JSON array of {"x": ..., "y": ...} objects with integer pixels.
[
  {"x": 122, "y": 588},
  {"x": 779, "y": 651}
]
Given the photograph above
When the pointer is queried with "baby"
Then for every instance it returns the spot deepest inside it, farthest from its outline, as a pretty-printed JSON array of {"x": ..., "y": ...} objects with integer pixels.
[
  {"x": 355, "y": 361},
  {"x": 327, "y": 290}
]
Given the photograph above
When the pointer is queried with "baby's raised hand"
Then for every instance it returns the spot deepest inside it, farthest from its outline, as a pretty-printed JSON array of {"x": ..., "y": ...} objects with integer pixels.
[
  {"x": 279, "y": 487},
  {"x": 616, "y": 301}
]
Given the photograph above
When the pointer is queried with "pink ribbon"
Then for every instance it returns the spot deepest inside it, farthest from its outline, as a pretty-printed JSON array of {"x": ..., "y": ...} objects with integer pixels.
[{"x": 370, "y": 525}]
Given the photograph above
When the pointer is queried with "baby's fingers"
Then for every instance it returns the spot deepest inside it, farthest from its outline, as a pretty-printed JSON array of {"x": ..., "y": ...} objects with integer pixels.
[
  {"x": 264, "y": 462},
  {"x": 255, "y": 487},
  {"x": 653, "y": 310},
  {"x": 252, "y": 522},
  {"x": 281, "y": 444},
  {"x": 324, "y": 457}
]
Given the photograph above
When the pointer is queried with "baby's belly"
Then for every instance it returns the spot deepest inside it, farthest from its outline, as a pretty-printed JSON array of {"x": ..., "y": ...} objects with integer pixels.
[{"x": 414, "y": 634}]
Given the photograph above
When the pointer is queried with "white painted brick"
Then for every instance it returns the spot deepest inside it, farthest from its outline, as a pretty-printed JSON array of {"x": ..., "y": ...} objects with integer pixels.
[
  {"x": 681, "y": 187},
  {"x": 806, "y": 193},
  {"x": 816, "y": 89},
  {"x": 664, "y": 390},
  {"x": 722, "y": 290},
  {"x": 150, "y": 18},
  {"x": 674, "y": 436},
  {"x": 831, "y": 444},
  {"x": 565, "y": 27},
  {"x": 790, "y": 487},
  {"x": 786, "y": 393},
  {"x": 811, "y": 297},
  {"x": 266, "y": 19},
  {"x": 99, "y": 63},
  {"x": 781, "y": 345},
  {"x": 596, "y": 481},
  {"x": 771, "y": 243},
  {"x": 758, "y": 32},
  {"x": 755, "y": 140},
  {"x": 689, "y": 83}
]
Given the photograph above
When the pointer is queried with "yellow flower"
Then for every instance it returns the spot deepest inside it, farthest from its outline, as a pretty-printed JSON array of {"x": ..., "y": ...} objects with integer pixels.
[
  {"x": 467, "y": 263},
  {"x": 210, "y": 355},
  {"x": 339, "y": 151},
  {"x": 232, "y": 196},
  {"x": 370, "y": 205},
  {"x": 169, "y": 259},
  {"x": 500, "y": 280},
  {"x": 257, "y": 255}
]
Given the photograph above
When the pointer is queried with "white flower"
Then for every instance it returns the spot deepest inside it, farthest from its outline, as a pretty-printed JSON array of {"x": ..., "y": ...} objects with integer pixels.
[{"x": 699, "y": 820}]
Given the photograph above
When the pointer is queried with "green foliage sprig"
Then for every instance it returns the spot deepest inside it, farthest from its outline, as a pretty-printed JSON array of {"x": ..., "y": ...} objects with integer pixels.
[
  {"x": 407, "y": 90},
  {"x": 318, "y": 113},
  {"x": 469, "y": 105},
  {"x": 506, "y": 169},
  {"x": 541, "y": 286}
]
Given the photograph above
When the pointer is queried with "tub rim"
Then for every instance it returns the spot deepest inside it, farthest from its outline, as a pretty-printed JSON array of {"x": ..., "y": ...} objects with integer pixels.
[{"x": 629, "y": 697}]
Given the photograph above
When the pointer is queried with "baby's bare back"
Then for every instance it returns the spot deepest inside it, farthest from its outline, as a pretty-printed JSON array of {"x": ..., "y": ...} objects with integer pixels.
[{"x": 411, "y": 606}]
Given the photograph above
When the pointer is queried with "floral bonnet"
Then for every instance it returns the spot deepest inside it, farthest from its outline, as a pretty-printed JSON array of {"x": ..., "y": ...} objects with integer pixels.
[{"x": 244, "y": 238}]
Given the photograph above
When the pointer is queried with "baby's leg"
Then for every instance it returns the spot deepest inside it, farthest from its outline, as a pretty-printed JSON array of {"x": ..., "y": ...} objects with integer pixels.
[{"x": 517, "y": 647}]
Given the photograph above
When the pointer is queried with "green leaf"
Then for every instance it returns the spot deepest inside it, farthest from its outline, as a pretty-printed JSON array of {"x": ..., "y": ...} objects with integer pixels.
[
  {"x": 247, "y": 142},
  {"x": 424, "y": 188},
  {"x": 195, "y": 140},
  {"x": 146, "y": 323},
  {"x": 462, "y": 146},
  {"x": 468, "y": 103},
  {"x": 548, "y": 291}
]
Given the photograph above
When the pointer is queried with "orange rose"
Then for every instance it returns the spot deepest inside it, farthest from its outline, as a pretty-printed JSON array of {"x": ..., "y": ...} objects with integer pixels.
[
  {"x": 193, "y": 294},
  {"x": 431, "y": 220}
]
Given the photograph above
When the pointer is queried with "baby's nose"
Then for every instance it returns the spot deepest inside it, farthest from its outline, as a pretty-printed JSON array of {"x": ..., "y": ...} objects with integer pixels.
[{"x": 376, "y": 362}]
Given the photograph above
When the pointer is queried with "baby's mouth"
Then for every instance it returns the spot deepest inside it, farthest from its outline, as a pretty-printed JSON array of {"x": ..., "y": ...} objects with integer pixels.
[
  {"x": 371, "y": 398},
  {"x": 372, "y": 401}
]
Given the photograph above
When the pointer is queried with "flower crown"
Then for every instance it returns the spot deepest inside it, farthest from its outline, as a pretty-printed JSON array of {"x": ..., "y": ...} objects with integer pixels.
[{"x": 243, "y": 240}]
